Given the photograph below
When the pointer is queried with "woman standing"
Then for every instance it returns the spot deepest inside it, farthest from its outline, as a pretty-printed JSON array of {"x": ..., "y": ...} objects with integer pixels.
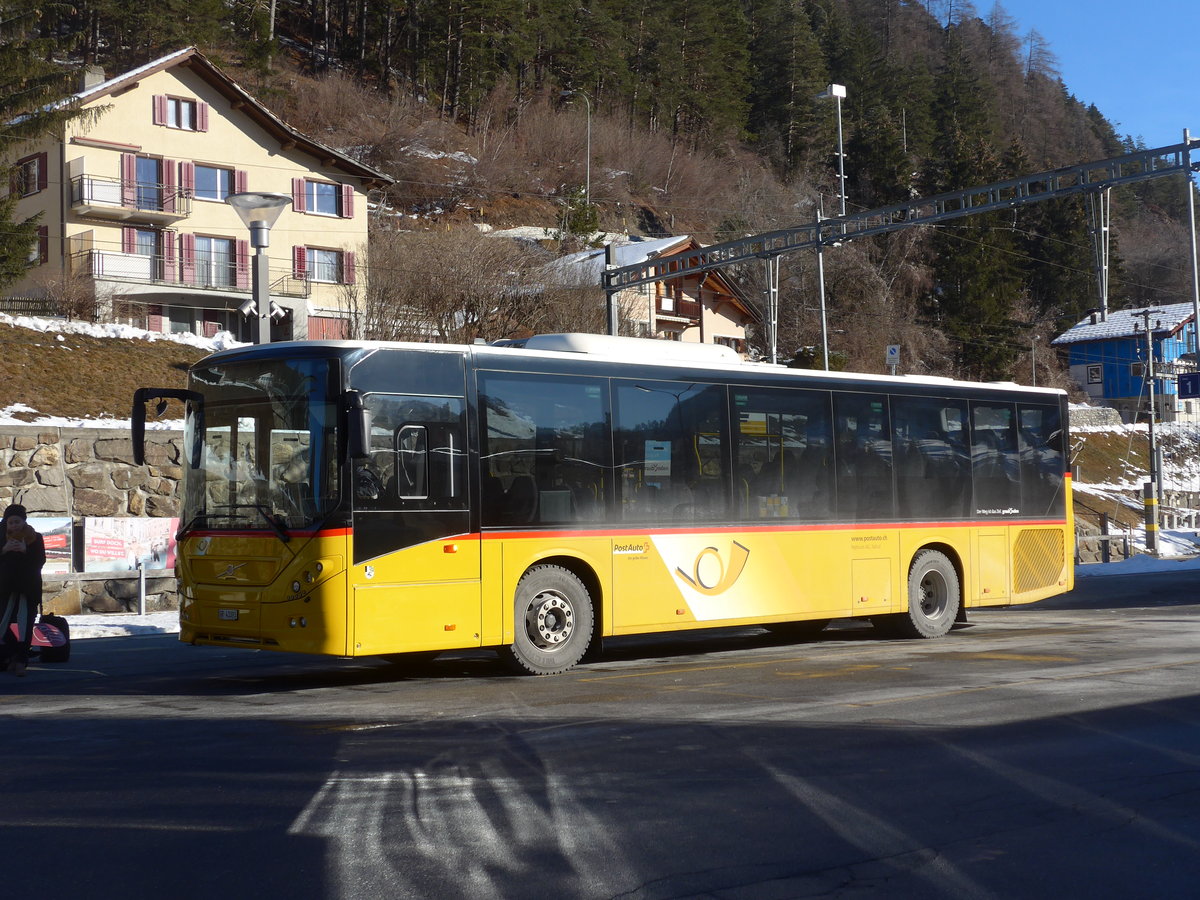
[{"x": 21, "y": 559}]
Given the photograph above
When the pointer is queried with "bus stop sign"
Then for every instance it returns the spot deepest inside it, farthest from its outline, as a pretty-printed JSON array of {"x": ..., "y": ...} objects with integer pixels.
[{"x": 1189, "y": 386}]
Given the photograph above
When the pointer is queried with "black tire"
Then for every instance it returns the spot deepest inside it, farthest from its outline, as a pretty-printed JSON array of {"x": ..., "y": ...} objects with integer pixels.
[
  {"x": 934, "y": 598},
  {"x": 553, "y": 622},
  {"x": 798, "y": 631}
]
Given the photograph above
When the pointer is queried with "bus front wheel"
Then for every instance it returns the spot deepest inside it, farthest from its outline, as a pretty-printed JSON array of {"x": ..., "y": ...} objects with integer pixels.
[
  {"x": 552, "y": 624},
  {"x": 934, "y": 597}
]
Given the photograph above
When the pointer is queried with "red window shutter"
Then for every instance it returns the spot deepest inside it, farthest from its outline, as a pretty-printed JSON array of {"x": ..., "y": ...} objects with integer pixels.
[
  {"x": 300, "y": 262},
  {"x": 347, "y": 202},
  {"x": 160, "y": 109},
  {"x": 187, "y": 178},
  {"x": 128, "y": 240},
  {"x": 348, "y": 267},
  {"x": 187, "y": 255},
  {"x": 201, "y": 116},
  {"x": 42, "y": 175},
  {"x": 242, "y": 263},
  {"x": 168, "y": 169},
  {"x": 239, "y": 181},
  {"x": 170, "y": 262},
  {"x": 128, "y": 179},
  {"x": 298, "y": 194},
  {"x": 43, "y": 243},
  {"x": 154, "y": 318}
]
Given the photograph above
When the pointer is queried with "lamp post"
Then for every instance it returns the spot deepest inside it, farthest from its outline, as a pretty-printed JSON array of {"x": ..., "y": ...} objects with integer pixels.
[
  {"x": 259, "y": 211},
  {"x": 838, "y": 93},
  {"x": 587, "y": 188}
]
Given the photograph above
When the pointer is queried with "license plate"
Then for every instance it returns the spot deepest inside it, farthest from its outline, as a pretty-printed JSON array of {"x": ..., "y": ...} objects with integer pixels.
[{"x": 229, "y": 615}]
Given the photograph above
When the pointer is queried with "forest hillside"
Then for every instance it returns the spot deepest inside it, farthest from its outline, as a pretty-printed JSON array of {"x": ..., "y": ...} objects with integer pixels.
[{"x": 702, "y": 117}]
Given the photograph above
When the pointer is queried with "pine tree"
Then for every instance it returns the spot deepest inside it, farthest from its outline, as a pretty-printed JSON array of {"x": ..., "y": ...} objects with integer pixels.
[
  {"x": 30, "y": 88},
  {"x": 788, "y": 72},
  {"x": 977, "y": 281}
]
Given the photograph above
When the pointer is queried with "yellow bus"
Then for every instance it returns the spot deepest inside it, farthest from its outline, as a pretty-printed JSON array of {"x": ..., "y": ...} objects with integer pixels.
[{"x": 539, "y": 496}]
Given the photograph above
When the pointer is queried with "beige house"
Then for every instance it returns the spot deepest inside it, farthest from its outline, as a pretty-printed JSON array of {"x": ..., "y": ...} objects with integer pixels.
[
  {"x": 699, "y": 309},
  {"x": 132, "y": 207}
]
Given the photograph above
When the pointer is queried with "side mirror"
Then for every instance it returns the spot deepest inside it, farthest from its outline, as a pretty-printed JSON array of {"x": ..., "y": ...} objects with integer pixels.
[
  {"x": 138, "y": 419},
  {"x": 358, "y": 426}
]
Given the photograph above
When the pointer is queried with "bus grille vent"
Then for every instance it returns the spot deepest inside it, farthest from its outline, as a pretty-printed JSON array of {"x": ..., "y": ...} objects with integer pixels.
[{"x": 1037, "y": 558}]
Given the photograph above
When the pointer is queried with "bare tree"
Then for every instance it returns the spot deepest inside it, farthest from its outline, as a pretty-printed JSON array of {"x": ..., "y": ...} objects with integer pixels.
[{"x": 459, "y": 285}]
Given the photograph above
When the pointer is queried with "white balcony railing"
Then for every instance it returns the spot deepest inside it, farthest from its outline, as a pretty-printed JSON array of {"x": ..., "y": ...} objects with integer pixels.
[
  {"x": 112, "y": 198},
  {"x": 160, "y": 270}
]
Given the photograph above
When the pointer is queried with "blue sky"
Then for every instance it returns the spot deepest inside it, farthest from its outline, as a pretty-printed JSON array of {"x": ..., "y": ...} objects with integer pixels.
[{"x": 1139, "y": 63}]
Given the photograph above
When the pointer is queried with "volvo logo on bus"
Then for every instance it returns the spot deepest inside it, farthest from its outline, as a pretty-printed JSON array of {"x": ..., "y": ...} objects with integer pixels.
[
  {"x": 710, "y": 574},
  {"x": 231, "y": 571}
]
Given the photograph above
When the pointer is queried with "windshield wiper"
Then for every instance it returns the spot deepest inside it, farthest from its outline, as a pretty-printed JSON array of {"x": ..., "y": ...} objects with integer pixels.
[
  {"x": 277, "y": 524},
  {"x": 236, "y": 511}
]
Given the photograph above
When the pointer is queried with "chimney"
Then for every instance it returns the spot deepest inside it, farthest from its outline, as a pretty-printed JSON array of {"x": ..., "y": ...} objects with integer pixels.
[{"x": 90, "y": 77}]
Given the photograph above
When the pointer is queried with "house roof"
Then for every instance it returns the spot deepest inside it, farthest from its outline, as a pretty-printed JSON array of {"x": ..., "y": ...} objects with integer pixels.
[
  {"x": 584, "y": 267},
  {"x": 1167, "y": 319},
  {"x": 193, "y": 59}
]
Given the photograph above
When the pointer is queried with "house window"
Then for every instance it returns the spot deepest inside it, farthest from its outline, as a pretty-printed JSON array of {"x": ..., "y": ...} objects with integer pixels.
[
  {"x": 181, "y": 113},
  {"x": 324, "y": 265},
  {"x": 39, "y": 250},
  {"x": 145, "y": 242},
  {"x": 213, "y": 183},
  {"x": 29, "y": 176},
  {"x": 321, "y": 197},
  {"x": 215, "y": 261},
  {"x": 149, "y": 183}
]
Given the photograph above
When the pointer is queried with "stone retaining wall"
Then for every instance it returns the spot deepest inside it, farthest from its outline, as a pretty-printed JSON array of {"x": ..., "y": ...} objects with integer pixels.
[{"x": 80, "y": 472}]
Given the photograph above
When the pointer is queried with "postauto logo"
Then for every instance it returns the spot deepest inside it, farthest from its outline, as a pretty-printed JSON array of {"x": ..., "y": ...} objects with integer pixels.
[{"x": 711, "y": 573}]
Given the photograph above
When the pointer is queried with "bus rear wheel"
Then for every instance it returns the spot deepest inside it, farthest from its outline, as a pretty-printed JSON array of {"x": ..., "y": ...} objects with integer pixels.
[
  {"x": 934, "y": 597},
  {"x": 553, "y": 622}
]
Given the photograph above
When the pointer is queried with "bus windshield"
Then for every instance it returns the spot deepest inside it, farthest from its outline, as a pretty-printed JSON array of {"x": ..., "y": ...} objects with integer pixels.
[{"x": 267, "y": 446}]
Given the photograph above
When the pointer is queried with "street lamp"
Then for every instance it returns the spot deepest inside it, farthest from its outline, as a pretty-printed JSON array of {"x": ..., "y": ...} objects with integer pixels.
[
  {"x": 838, "y": 93},
  {"x": 587, "y": 189},
  {"x": 259, "y": 211}
]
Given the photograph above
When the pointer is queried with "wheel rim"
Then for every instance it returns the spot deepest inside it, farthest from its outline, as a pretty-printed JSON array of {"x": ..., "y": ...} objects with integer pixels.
[
  {"x": 550, "y": 620},
  {"x": 935, "y": 595}
]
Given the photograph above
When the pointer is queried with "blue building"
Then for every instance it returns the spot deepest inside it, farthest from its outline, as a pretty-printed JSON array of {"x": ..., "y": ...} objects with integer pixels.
[{"x": 1108, "y": 356}]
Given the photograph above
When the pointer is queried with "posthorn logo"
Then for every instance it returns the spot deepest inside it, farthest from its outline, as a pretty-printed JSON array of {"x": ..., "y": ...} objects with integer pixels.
[{"x": 711, "y": 574}]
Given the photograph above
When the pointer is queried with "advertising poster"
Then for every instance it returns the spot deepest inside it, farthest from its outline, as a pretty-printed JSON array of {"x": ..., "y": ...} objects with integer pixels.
[
  {"x": 118, "y": 545},
  {"x": 56, "y": 534}
]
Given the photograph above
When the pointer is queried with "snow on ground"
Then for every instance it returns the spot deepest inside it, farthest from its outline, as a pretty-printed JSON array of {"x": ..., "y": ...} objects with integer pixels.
[
  {"x": 220, "y": 341},
  {"x": 123, "y": 625}
]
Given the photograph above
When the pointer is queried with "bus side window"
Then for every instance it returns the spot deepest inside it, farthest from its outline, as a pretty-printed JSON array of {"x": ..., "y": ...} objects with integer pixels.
[
  {"x": 1043, "y": 461},
  {"x": 412, "y": 463},
  {"x": 417, "y": 458},
  {"x": 544, "y": 454},
  {"x": 782, "y": 453},
  {"x": 668, "y": 437},
  {"x": 932, "y": 468},
  {"x": 863, "y": 457},
  {"x": 995, "y": 465}
]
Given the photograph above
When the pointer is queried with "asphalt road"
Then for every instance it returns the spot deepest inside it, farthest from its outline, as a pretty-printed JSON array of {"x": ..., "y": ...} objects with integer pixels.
[{"x": 1043, "y": 751}]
